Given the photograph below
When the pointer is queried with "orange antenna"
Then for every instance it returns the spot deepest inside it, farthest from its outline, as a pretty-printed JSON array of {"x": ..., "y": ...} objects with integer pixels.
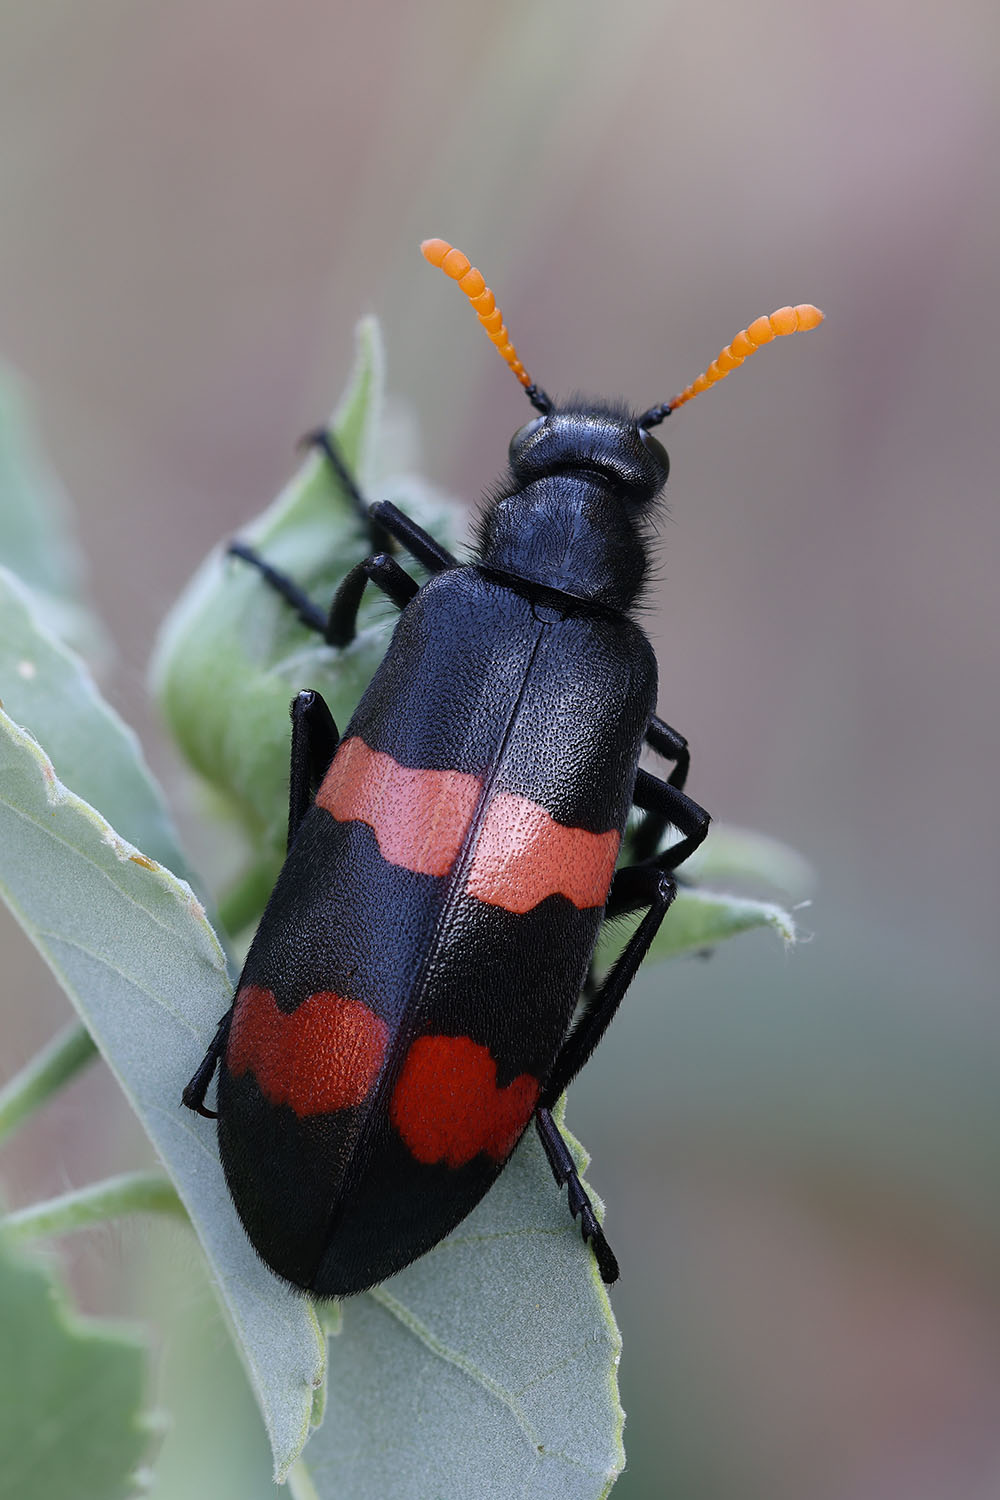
[
  {"x": 472, "y": 282},
  {"x": 786, "y": 320}
]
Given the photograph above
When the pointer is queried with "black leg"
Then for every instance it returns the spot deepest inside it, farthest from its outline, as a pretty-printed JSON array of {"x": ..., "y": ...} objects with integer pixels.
[
  {"x": 309, "y": 613},
  {"x": 382, "y": 570},
  {"x": 651, "y": 885},
  {"x": 599, "y": 1011},
  {"x": 418, "y": 543},
  {"x": 672, "y": 746},
  {"x": 386, "y": 525},
  {"x": 564, "y": 1171},
  {"x": 671, "y": 806},
  {"x": 645, "y": 839},
  {"x": 314, "y": 744},
  {"x": 639, "y": 885},
  {"x": 378, "y": 538},
  {"x": 383, "y": 520},
  {"x": 338, "y": 627},
  {"x": 194, "y": 1094}
]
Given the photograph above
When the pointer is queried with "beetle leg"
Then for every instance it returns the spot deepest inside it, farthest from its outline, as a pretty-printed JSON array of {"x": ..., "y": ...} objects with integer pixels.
[
  {"x": 418, "y": 542},
  {"x": 309, "y": 613},
  {"x": 651, "y": 885},
  {"x": 339, "y": 625},
  {"x": 378, "y": 538},
  {"x": 315, "y": 738},
  {"x": 382, "y": 570},
  {"x": 194, "y": 1094},
  {"x": 667, "y": 804},
  {"x": 643, "y": 885},
  {"x": 385, "y": 523},
  {"x": 644, "y": 840},
  {"x": 672, "y": 746},
  {"x": 564, "y": 1171}
]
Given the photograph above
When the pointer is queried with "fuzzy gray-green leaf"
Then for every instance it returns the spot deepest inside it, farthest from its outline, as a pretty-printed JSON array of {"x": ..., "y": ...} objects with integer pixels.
[
  {"x": 47, "y": 687},
  {"x": 130, "y": 944}
]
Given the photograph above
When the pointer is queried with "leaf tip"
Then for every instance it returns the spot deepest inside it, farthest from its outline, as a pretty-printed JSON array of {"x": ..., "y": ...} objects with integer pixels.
[{"x": 783, "y": 923}]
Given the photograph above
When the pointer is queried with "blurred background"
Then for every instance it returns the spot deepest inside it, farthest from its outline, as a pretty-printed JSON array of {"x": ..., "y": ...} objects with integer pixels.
[{"x": 799, "y": 1151}]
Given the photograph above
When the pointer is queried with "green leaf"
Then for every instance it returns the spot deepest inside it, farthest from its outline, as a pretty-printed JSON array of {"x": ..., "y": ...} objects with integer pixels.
[
  {"x": 46, "y": 686},
  {"x": 71, "y": 1420},
  {"x": 36, "y": 534},
  {"x": 700, "y": 918},
  {"x": 130, "y": 944},
  {"x": 232, "y": 655},
  {"x": 487, "y": 1368},
  {"x": 697, "y": 921},
  {"x": 48, "y": 1071},
  {"x": 128, "y": 1193},
  {"x": 742, "y": 857}
]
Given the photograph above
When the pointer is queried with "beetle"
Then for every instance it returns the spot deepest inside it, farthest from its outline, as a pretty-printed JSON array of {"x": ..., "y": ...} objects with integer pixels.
[{"x": 412, "y": 998}]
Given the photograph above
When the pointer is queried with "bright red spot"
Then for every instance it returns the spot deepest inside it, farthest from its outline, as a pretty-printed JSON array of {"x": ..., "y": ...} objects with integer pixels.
[
  {"x": 322, "y": 1057},
  {"x": 420, "y": 818},
  {"x": 523, "y": 855},
  {"x": 447, "y": 1107}
]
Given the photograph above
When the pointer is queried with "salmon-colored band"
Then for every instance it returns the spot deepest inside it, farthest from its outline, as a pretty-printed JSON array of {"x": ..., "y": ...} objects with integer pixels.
[
  {"x": 523, "y": 855},
  {"x": 323, "y": 1056},
  {"x": 419, "y": 818}
]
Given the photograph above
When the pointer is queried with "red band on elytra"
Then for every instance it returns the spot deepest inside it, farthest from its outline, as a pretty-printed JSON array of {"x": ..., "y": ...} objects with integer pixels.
[
  {"x": 447, "y": 1107},
  {"x": 323, "y": 1056},
  {"x": 523, "y": 855},
  {"x": 419, "y": 818}
]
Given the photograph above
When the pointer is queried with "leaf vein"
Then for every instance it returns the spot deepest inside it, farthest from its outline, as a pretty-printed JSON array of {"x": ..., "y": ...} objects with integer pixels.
[{"x": 423, "y": 1334}]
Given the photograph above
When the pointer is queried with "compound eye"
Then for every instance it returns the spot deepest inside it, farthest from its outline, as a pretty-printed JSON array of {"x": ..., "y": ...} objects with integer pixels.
[
  {"x": 656, "y": 450},
  {"x": 522, "y": 436}
]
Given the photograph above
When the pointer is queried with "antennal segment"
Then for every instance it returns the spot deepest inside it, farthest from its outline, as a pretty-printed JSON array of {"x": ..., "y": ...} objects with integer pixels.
[
  {"x": 472, "y": 282},
  {"x": 786, "y": 320}
]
